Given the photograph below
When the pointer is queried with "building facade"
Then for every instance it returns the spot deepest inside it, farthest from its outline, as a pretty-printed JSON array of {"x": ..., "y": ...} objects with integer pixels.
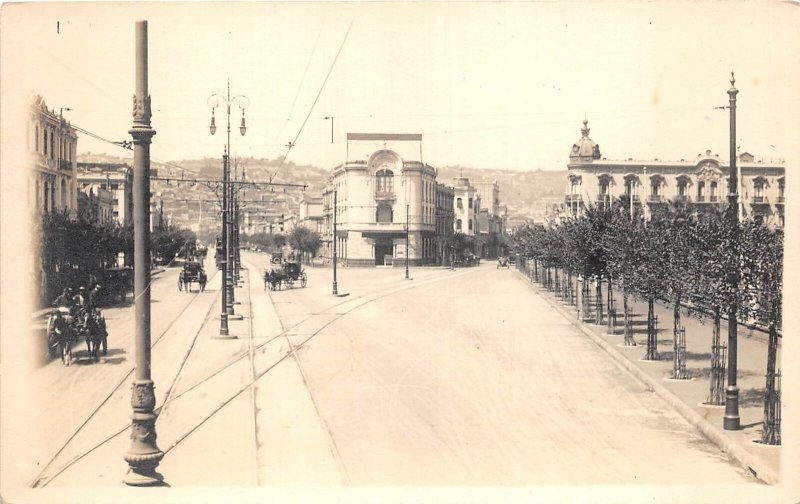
[
  {"x": 117, "y": 178},
  {"x": 466, "y": 207},
  {"x": 310, "y": 213},
  {"x": 386, "y": 210},
  {"x": 702, "y": 180},
  {"x": 444, "y": 223},
  {"x": 52, "y": 145}
]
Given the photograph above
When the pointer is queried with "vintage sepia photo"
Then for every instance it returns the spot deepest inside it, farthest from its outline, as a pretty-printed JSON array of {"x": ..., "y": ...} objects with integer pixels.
[{"x": 399, "y": 251}]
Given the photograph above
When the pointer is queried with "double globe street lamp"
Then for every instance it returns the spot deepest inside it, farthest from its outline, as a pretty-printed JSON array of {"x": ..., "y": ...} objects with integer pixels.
[{"x": 242, "y": 102}]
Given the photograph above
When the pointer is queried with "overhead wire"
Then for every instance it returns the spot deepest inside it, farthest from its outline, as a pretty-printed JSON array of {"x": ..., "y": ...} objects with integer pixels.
[{"x": 311, "y": 109}]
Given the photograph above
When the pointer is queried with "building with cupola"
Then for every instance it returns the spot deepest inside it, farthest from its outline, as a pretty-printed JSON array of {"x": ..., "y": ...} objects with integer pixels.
[
  {"x": 379, "y": 196},
  {"x": 701, "y": 180}
]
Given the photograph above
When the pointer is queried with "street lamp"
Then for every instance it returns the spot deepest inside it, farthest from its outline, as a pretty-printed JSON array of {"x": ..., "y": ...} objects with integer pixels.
[
  {"x": 731, "y": 418},
  {"x": 242, "y": 102},
  {"x": 407, "y": 242}
]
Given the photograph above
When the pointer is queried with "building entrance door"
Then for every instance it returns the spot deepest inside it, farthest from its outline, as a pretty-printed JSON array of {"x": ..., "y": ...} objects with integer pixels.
[{"x": 383, "y": 248}]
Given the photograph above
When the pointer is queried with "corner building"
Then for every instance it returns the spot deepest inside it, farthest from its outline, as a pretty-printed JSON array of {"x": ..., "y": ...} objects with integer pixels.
[
  {"x": 376, "y": 200},
  {"x": 701, "y": 181}
]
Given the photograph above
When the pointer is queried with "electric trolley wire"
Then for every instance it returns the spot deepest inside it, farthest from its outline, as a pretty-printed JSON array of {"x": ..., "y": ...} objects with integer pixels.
[{"x": 311, "y": 109}]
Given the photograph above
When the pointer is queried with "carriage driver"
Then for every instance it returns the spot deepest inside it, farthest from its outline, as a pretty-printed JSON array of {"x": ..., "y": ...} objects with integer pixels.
[
  {"x": 94, "y": 294},
  {"x": 65, "y": 299},
  {"x": 81, "y": 301}
]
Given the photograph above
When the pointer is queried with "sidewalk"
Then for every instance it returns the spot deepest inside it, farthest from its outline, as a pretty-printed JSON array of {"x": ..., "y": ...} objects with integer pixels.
[{"x": 688, "y": 396}]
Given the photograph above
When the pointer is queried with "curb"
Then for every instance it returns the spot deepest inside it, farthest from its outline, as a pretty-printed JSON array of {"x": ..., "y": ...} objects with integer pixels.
[{"x": 746, "y": 459}]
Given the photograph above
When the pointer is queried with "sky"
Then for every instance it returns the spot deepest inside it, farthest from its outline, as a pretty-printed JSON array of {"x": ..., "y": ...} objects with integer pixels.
[{"x": 488, "y": 85}]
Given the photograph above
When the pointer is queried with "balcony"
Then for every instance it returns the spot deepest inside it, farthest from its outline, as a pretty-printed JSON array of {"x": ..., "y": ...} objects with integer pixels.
[
  {"x": 573, "y": 198},
  {"x": 760, "y": 200},
  {"x": 385, "y": 196},
  {"x": 683, "y": 198},
  {"x": 655, "y": 198}
]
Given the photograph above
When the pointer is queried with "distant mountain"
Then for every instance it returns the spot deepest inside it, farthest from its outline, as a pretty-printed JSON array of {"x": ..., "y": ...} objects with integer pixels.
[{"x": 526, "y": 194}]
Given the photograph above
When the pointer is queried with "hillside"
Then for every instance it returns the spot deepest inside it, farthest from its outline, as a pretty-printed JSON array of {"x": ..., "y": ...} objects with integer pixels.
[{"x": 527, "y": 194}]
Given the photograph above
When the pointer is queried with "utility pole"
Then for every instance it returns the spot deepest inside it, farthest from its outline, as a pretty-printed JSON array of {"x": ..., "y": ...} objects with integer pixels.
[
  {"x": 407, "y": 241},
  {"x": 335, "y": 288},
  {"x": 143, "y": 455},
  {"x": 731, "y": 418}
]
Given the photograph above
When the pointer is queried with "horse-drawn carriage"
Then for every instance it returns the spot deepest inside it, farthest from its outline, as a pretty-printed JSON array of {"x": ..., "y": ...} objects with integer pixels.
[
  {"x": 286, "y": 274},
  {"x": 66, "y": 325},
  {"x": 192, "y": 272}
]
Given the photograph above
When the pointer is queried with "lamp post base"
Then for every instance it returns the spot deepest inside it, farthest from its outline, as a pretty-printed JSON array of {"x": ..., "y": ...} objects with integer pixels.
[
  {"x": 143, "y": 455},
  {"x": 731, "y": 420}
]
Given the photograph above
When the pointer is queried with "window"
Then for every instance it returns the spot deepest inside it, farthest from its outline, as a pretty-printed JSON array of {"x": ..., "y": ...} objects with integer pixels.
[
  {"x": 470, "y": 224},
  {"x": 45, "y": 142},
  {"x": 655, "y": 188},
  {"x": 37, "y": 138},
  {"x": 781, "y": 184},
  {"x": 470, "y": 202},
  {"x": 384, "y": 214},
  {"x": 701, "y": 189},
  {"x": 603, "y": 187},
  {"x": 458, "y": 225},
  {"x": 758, "y": 188},
  {"x": 458, "y": 203},
  {"x": 52, "y": 146},
  {"x": 682, "y": 187},
  {"x": 574, "y": 185},
  {"x": 384, "y": 181},
  {"x": 713, "y": 190}
]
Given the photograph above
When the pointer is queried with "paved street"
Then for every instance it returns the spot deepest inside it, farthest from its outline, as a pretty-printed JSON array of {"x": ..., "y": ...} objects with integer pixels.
[{"x": 398, "y": 383}]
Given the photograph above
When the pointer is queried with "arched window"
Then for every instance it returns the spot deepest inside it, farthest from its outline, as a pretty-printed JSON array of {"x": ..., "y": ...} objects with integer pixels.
[
  {"x": 758, "y": 187},
  {"x": 701, "y": 190},
  {"x": 459, "y": 204},
  {"x": 713, "y": 191},
  {"x": 458, "y": 224},
  {"x": 384, "y": 181},
  {"x": 52, "y": 145},
  {"x": 36, "y": 136},
  {"x": 574, "y": 184},
  {"x": 45, "y": 141},
  {"x": 384, "y": 213}
]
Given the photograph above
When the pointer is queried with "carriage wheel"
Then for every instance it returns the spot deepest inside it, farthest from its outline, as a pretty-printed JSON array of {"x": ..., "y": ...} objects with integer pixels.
[
  {"x": 289, "y": 282},
  {"x": 303, "y": 280}
]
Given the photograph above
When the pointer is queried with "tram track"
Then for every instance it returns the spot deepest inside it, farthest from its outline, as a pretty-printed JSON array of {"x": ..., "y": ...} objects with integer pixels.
[
  {"x": 250, "y": 353},
  {"x": 38, "y": 480}
]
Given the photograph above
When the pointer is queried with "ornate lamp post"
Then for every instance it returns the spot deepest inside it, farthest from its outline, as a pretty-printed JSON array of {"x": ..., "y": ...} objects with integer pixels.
[
  {"x": 242, "y": 102},
  {"x": 731, "y": 418},
  {"x": 143, "y": 455}
]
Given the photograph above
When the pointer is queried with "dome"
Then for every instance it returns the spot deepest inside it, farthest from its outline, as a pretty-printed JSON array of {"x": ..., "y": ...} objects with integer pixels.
[{"x": 584, "y": 150}]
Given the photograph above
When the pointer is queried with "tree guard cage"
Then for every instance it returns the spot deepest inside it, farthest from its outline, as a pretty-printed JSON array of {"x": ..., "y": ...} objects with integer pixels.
[
  {"x": 719, "y": 350},
  {"x": 679, "y": 356}
]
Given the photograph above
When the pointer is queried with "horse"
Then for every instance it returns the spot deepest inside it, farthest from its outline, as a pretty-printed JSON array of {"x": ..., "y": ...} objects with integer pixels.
[
  {"x": 273, "y": 279},
  {"x": 93, "y": 327},
  {"x": 60, "y": 335}
]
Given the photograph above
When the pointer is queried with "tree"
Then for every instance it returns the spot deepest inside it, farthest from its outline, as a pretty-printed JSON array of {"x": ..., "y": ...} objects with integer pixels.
[
  {"x": 304, "y": 240},
  {"x": 620, "y": 245}
]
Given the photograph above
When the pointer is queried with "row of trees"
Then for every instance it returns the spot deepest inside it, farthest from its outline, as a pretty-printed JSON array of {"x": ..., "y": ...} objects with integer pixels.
[
  {"x": 687, "y": 258},
  {"x": 301, "y": 240},
  {"x": 73, "y": 250}
]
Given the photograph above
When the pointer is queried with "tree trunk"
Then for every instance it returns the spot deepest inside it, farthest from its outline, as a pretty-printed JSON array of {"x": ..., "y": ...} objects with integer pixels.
[
  {"x": 629, "y": 341},
  {"x": 652, "y": 338},
  {"x": 717, "y": 382},
  {"x": 599, "y": 301},
  {"x": 676, "y": 327},
  {"x": 772, "y": 396}
]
